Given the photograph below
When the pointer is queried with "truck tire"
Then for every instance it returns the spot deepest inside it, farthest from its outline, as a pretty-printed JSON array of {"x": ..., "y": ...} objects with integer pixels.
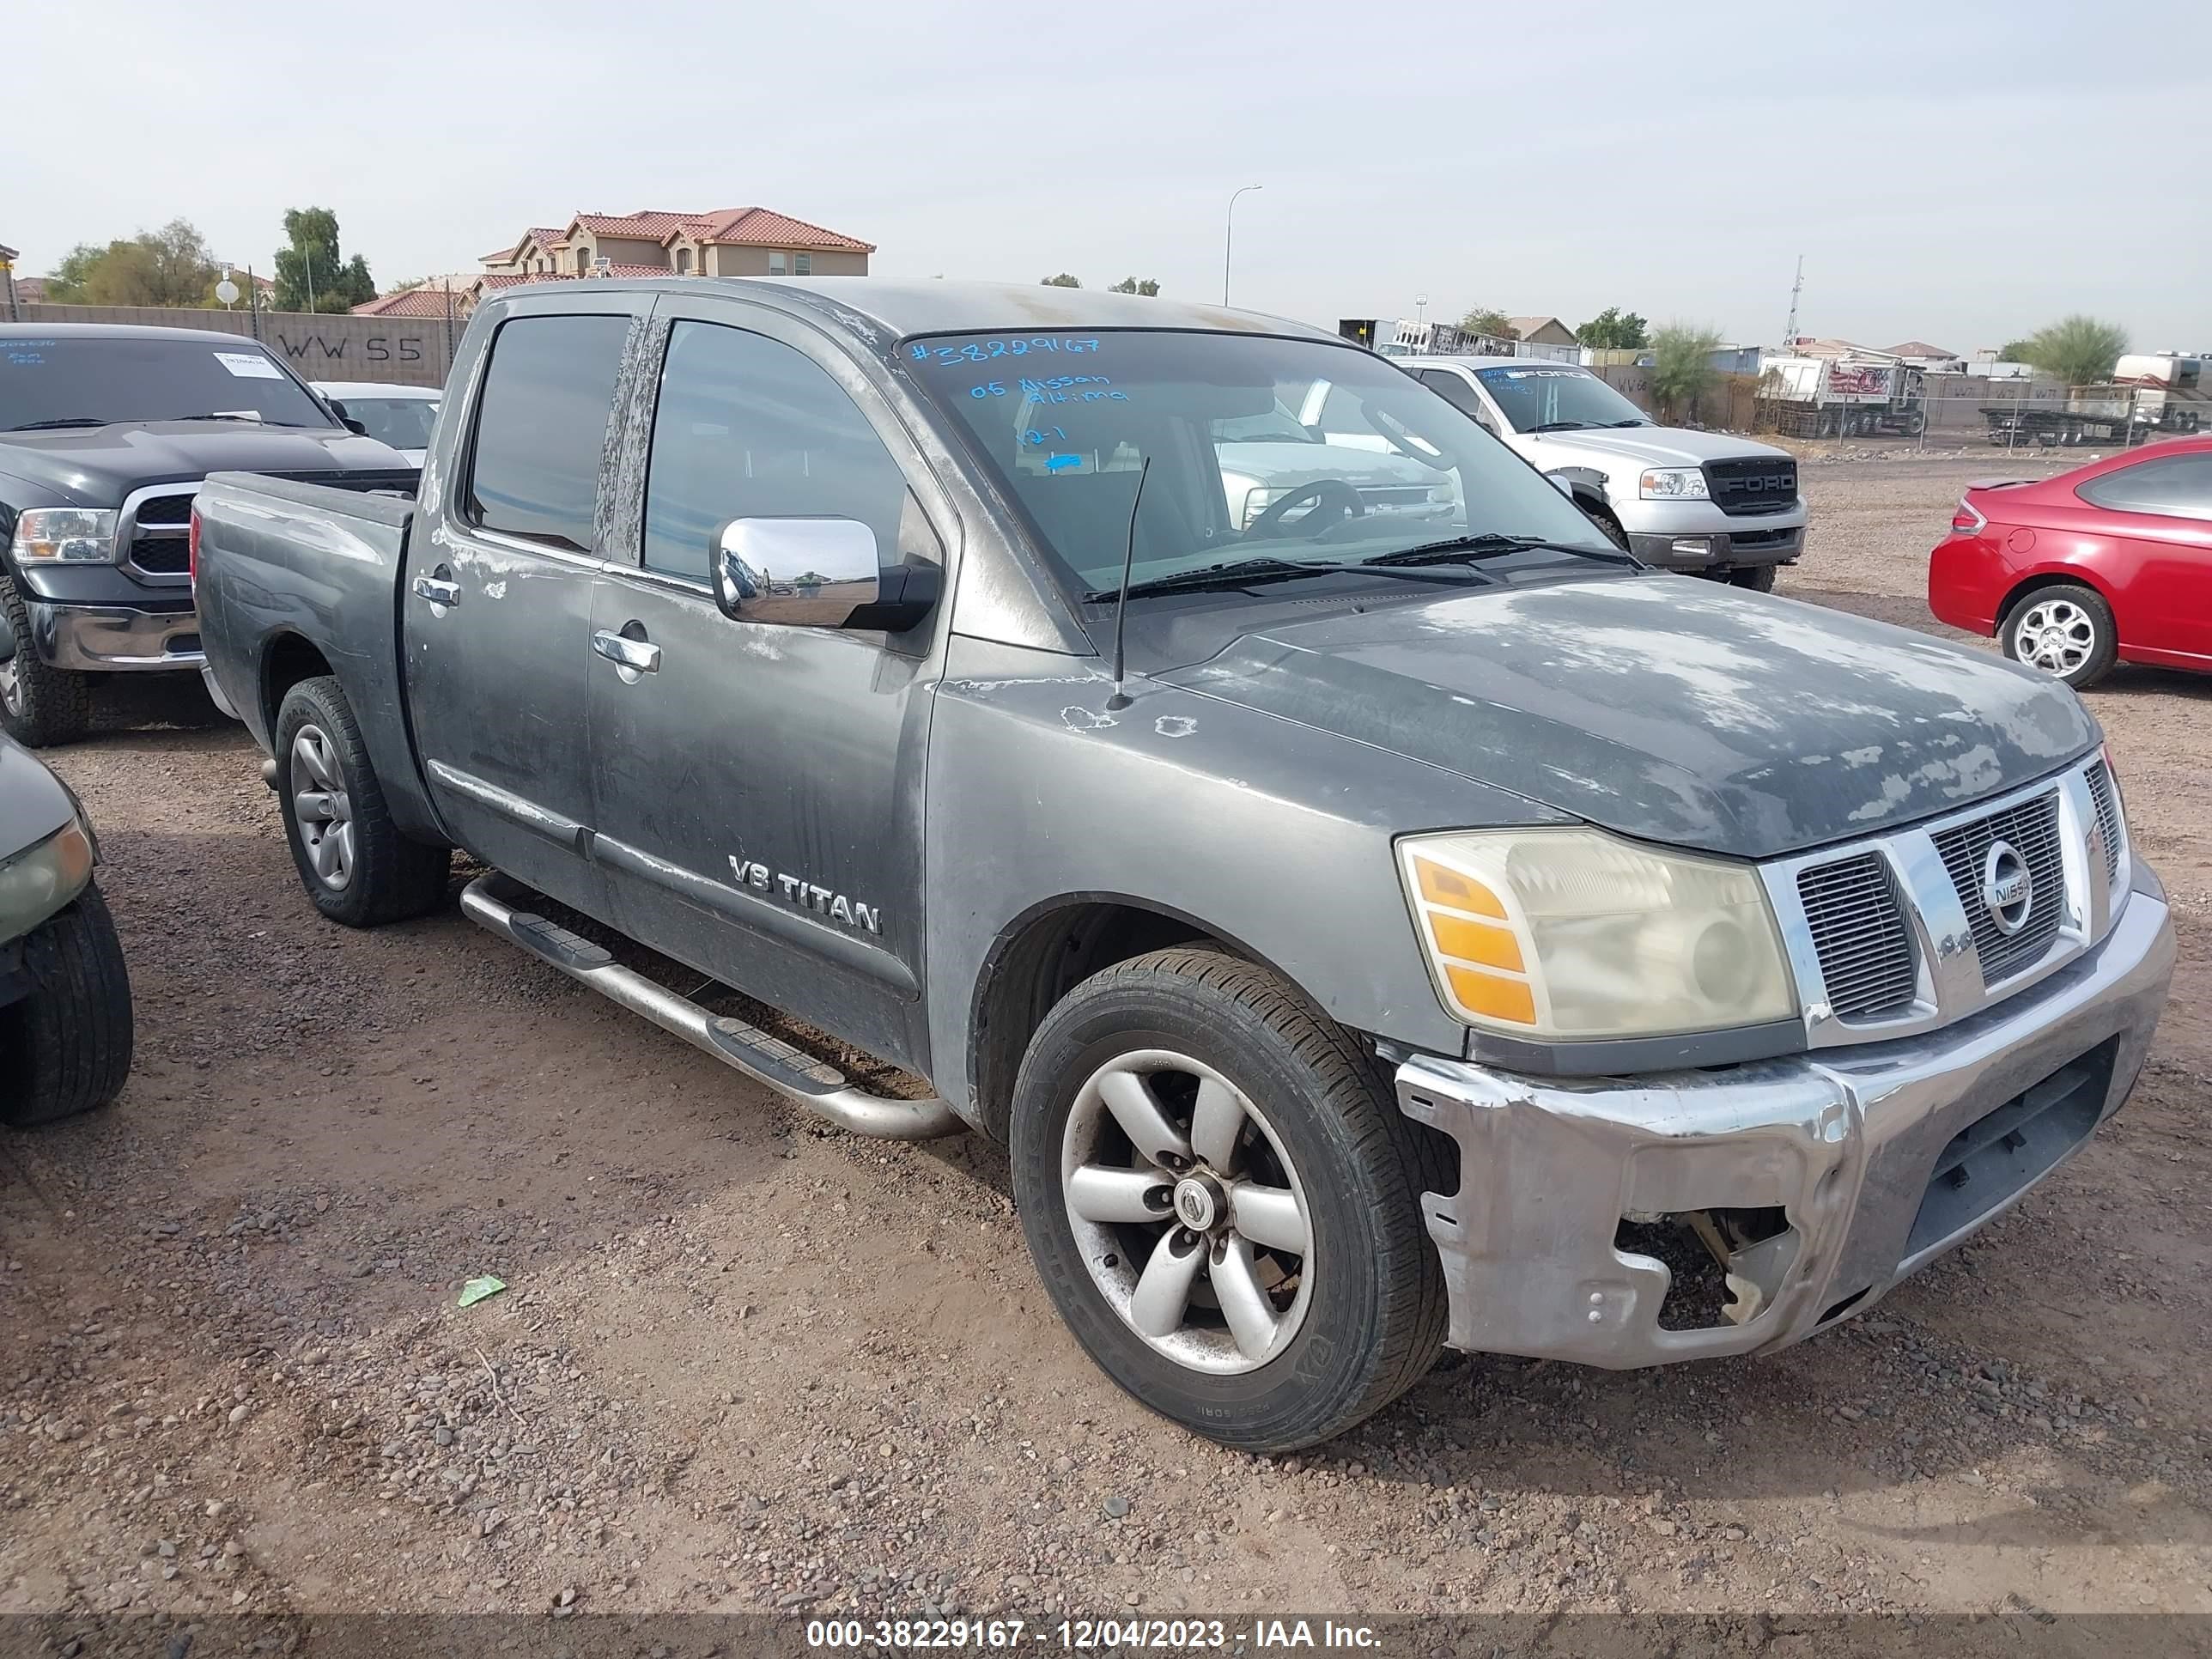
[
  {"x": 2066, "y": 630},
  {"x": 352, "y": 859},
  {"x": 1760, "y": 578},
  {"x": 1603, "y": 517},
  {"x": 1262, "y": 1275},
  {"x": 68, "y": 1043},
  {"x": 40, "y": 706}
]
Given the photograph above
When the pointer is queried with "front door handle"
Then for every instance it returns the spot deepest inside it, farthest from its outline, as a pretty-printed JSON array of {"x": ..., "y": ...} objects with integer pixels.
[
  {"x": 437, "y": 591},
  {"x": 639, "y": 656}
]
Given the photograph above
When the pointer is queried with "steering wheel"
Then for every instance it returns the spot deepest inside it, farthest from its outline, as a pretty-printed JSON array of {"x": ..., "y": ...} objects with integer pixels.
[{"x": 1324, "y": 493}]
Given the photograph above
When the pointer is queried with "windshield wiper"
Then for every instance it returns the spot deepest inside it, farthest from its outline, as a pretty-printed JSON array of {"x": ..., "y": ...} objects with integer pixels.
[
  {"x": 1243, "y": 572},
  {"x": 1633, "y": 420},
  {"x": 67, "y": 420},
  {"x": 1457, "y": 549},
  {"x": 1557, "y": 426}
]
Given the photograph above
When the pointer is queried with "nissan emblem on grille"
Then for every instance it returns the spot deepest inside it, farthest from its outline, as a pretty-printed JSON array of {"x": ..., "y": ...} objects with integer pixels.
[{"x": 2007, "y": 887}]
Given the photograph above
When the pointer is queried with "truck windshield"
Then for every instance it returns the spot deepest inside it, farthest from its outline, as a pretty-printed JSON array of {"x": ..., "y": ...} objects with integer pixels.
[
  {"x": 1544, "y": 399},
  {"x": 1368, "y": 462},
  {"x": 60, "y": 380}
]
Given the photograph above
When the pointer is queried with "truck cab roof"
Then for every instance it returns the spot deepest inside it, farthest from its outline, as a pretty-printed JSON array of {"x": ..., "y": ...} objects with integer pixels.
[{"x": 880, "y": 312}]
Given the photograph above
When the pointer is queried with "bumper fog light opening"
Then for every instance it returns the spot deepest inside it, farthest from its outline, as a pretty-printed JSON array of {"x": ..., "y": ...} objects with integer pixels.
[{"x": 1724, "y": 1266}]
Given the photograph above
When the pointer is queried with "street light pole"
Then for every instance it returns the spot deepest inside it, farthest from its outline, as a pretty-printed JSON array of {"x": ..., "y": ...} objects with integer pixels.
[{"x": 1229, "y": 239}]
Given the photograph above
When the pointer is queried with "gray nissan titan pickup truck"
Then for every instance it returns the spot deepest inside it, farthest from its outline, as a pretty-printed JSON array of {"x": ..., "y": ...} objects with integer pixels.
[{"x": 1368, "y": 933}]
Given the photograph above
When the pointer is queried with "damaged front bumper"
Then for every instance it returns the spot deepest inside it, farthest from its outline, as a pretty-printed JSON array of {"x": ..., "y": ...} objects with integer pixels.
[{"x": 1818, "y": 1182}]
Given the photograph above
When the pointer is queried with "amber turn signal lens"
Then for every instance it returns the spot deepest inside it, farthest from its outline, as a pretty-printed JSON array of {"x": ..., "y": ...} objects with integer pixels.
[
  {"x": 1440, "y": 885},
  {"x": 1492, "y": 994}
]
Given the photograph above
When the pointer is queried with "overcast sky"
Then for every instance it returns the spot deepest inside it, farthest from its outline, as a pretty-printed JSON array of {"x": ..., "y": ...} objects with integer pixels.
[{"x": 1957, "y": 172}]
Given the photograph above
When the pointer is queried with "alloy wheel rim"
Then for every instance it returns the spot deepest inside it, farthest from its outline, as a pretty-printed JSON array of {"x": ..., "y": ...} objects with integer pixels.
[
  {"x": 322, "y": 808},
  {"x": 2057, "y": 635},
  {"x": 1190, "y": 1217},
  {"x": 11, "y": 684}
]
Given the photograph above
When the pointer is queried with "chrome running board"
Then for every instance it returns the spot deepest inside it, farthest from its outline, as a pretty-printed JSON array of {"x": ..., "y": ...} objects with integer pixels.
[{"x": 491, "y": 902}]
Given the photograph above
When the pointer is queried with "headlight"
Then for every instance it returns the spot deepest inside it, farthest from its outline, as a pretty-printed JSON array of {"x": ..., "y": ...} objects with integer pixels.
[
  {"x": 1257, "y": 501},
  {"x": 1672, "y": 483},
  {"x": 71, "y": 535},
  {"x": 1570, "y": 935},
  {"x": 41, "y": 879}
]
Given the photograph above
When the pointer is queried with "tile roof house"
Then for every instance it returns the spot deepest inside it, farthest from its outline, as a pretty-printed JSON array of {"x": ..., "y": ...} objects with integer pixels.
[{"x": 747, "y": 241}]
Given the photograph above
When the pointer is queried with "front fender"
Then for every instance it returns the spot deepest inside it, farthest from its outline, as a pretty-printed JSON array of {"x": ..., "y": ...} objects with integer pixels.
[{"x": 1270, "y": 835}]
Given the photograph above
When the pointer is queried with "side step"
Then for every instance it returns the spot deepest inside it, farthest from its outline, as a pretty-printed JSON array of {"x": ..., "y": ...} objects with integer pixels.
[{"x": 490, "y": 902}]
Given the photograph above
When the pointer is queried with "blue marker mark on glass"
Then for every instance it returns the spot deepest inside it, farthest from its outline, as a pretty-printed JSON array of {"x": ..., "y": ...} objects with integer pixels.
[{"x": 1061, "y": 463}]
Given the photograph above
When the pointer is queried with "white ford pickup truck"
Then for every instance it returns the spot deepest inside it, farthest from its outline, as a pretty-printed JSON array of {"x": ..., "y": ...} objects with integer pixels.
[{"x": 1711, "y": 502}]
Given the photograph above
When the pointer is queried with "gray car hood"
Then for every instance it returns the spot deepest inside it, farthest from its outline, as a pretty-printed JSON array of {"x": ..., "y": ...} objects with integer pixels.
[
  {"x": 1679, "y": 711},
  {"x": 33, "y": 803}
]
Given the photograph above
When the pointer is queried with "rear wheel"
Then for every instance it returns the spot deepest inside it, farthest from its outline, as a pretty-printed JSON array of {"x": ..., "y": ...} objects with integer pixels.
[
  {"x": 67, "y": 1045},
  {"x": 2066, "y": 631},
  {"x": 1223, "y": 1202},
  {"x": 352, "y": 859},
  {"x": 39, "y": 705}
]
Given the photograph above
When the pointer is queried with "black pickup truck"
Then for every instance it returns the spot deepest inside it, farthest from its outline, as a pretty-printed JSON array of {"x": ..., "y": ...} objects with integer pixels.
[{"x": 106, "y": 432}]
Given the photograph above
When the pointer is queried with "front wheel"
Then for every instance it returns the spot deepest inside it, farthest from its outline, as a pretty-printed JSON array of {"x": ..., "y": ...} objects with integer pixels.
[
  {"x": 39, "y": 705},
  {"x": 1223, "y": 1202},
  {"x": 2066, "y": 631},
  {"x": 66, "y": 1045},
  {"x": 1760, "y": 578}
]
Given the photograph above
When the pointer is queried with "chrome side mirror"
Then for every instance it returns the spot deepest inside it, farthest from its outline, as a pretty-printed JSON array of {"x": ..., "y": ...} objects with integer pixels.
[
  {"x": 816, "y": 573},
  {"x": 802, "y": 572}
]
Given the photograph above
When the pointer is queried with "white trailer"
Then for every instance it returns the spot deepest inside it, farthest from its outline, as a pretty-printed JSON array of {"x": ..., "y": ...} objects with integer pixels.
[{"x": 1841, "y": 397}]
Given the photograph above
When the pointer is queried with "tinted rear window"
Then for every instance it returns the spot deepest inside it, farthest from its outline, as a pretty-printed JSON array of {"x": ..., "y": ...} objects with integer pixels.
[
  {"x": 542, "y": 426},
  {"x": 80, "y": 379},
  {"x": 2180, "y": 485}
]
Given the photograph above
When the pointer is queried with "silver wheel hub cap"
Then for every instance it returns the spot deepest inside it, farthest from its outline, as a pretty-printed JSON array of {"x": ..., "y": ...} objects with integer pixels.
[
  {"x": 2057, "y": 635},
  {"x": 322, "y": 808},
  {"x": 1189, "y": 1216}
]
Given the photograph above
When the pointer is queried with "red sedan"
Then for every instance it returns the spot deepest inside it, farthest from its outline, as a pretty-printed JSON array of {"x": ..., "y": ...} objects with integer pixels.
[{"x": 2112, "y": 561}]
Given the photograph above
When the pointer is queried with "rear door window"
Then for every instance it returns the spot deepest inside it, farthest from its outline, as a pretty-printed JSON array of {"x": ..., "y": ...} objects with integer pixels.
[
  {"x": 2180, "y": 486},
  {"x": 542, "y": 427}
]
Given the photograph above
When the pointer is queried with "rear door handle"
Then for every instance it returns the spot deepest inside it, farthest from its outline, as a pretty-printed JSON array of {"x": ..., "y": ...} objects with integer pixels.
[
  {"x": 639, "y": 656},
  {"x": 437, "y": 591}
]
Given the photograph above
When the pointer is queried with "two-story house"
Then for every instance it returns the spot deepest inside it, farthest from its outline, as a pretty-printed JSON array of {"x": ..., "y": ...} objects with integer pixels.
[{"x": 749, "y": 242}]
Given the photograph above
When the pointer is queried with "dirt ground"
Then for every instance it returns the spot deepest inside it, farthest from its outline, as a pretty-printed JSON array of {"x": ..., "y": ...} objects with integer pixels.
[{"x": 745, "y": 1363}]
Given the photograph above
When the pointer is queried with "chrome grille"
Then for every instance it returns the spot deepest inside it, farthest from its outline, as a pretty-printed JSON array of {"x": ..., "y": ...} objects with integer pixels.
[
  {"x": 2032, "y": 829},
  {"x": 154, "y": 527},
  {"x": 1860, "y": 936},
  {"x": 2108, "y": 817},
  {"x": 164, "y": 509}
]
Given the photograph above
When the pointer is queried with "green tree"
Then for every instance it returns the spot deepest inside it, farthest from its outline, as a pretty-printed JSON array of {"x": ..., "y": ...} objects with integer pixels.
[
  {"x": 170, "y": 266},
  {"x": 1682, "y": 367},
  {"x": 312, "y": 273},
  {"x": 2078, "y": 349},
  {"x": 2014, "y": 351},
  {"x": 1483, "y": 320},
  {"x": 1614, "y": 329},
  {"x": 1131, "y": 285},
  {"x": 1062, "y": 280}
]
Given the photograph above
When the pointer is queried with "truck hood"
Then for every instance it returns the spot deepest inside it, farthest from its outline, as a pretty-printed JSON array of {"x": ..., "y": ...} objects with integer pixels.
[
  {"x": 1631, "y": 448},
  {"x": 1677, "y": 711},
  {"x": 99, "y": 466}
]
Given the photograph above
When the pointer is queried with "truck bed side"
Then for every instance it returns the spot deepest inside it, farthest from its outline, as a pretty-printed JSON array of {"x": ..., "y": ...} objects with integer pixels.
[{"x": 297, "y": 579}]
